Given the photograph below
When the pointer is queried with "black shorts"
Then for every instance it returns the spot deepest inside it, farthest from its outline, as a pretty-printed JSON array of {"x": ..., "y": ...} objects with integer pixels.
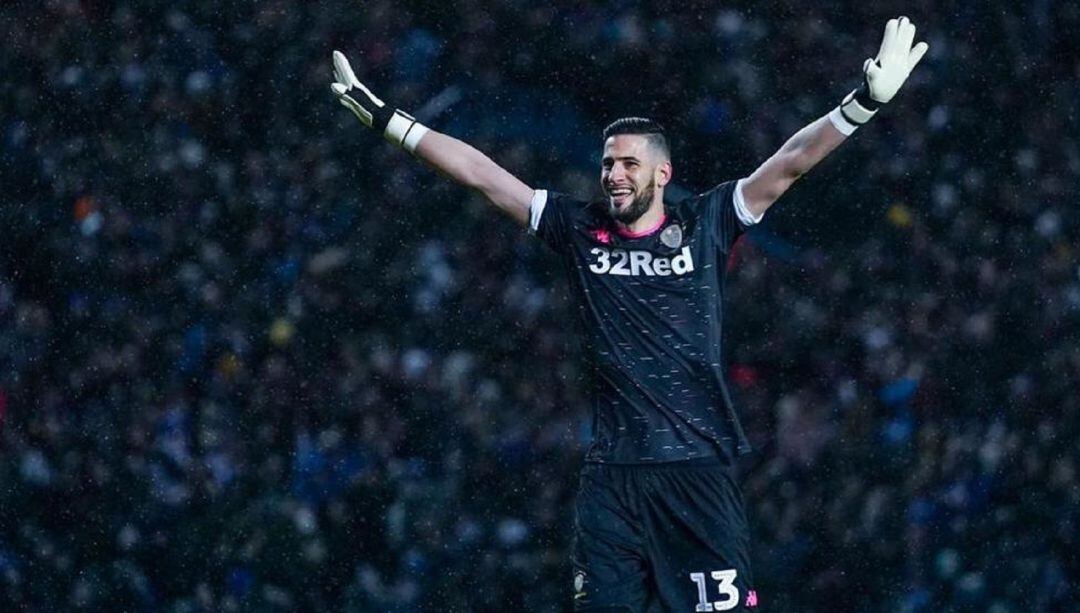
[{"x": 664, "y": 537}]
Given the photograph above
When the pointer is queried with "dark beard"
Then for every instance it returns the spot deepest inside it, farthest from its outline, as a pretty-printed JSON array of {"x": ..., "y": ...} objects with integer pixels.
[{"x": 638, "y": 206}]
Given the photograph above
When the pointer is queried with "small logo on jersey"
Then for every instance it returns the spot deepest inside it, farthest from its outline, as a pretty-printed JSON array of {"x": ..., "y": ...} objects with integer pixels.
[
  {"x": 579, "y": 585},
  {"x": 601, "y": 235},
  {"x": 636, "y": 263},
  {"x": 751, "y": 599},
  {"x": 672, "y": 236}
]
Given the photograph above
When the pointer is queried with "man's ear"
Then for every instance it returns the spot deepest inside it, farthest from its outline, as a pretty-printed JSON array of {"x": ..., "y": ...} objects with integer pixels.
[{"x": 664, "y": 173}]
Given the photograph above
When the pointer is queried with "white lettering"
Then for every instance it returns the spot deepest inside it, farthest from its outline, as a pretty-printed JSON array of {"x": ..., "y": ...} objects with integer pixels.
[
  {"x": 662, "y": 266},
  {"x": 636, "y": 263},
  {"x": 682, "y": 263},
  {"x": 602, "y": 264},
  {"x": 639, "y": 260},
  {"x": 621, "y": 258}
]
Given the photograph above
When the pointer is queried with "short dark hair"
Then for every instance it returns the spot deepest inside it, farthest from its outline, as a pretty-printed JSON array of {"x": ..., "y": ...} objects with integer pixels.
[{"x": 648, "y": 128}]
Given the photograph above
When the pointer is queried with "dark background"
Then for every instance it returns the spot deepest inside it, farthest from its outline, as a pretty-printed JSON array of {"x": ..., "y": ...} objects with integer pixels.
[{"x": 252, "y": 358}]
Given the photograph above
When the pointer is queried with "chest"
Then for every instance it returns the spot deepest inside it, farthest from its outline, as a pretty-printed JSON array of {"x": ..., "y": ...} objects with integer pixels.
[{"x": 630, "y": 262}]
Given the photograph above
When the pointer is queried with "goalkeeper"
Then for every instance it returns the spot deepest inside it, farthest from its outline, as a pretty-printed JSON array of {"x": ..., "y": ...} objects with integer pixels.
[{"x": 659, "y": 519}]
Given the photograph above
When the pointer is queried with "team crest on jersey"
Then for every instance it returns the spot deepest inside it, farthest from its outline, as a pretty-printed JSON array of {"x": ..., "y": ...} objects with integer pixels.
[{"x": 672, "y": 236}]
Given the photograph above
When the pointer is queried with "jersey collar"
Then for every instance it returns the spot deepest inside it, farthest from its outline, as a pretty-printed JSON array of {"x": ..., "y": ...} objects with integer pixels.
[{"x": 623, "y": 232}]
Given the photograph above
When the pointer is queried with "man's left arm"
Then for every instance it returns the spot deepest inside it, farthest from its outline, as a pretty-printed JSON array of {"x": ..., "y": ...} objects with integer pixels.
[{"x": 882, "y": 78}]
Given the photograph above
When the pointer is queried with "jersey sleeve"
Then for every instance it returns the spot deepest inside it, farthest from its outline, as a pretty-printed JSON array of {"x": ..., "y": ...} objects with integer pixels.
[
  {"x": 724, "y": 212},
  {"x": 550, "y": 218}
]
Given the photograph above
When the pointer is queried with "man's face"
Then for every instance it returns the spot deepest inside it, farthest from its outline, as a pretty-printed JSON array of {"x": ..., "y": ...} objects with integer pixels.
[{"x": 629, "y": 174}]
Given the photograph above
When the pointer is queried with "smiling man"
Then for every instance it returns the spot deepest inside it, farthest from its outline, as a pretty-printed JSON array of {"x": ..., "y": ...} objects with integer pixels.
[
  {"x": 637, "y": 161},
  {"x": 660, "y": 523}
]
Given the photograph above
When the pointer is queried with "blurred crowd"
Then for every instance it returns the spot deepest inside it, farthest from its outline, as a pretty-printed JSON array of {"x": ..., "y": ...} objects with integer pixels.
[{"x": 252, "y": 358}]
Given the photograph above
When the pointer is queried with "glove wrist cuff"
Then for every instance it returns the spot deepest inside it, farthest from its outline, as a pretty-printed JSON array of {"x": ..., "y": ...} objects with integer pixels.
[
  {"x": 842, "y": 125},
  {"x": 858, "y": 109},
  {"x": 404, "y": 131}
]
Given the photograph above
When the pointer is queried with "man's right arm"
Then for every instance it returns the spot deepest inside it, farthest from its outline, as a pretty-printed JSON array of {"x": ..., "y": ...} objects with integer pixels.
[
  {"x": 450, "y": 156},
  {"x": 469, "y": 167}
]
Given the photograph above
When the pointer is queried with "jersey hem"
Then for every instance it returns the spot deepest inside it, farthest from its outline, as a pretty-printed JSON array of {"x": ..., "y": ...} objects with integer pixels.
[{"x": 714, "y": 460}]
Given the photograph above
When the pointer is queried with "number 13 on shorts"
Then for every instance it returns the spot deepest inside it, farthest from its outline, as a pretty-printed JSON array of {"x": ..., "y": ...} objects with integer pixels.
[{"x": 729, "y": 594}]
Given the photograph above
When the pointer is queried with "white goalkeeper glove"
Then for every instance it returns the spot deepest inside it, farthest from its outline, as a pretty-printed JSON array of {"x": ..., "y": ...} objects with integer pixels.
[
  {"x": 882, "y": 76},
  {"x": 396, "y": 125}
]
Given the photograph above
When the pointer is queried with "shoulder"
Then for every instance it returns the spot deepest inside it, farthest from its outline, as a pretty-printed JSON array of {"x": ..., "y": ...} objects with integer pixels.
[
  {"x": 721, "y": 193},
  {"x": 552, "y": 204},
  {"x": 723, "y": 199},
  {"x": 557, "y": 218},
  {"x": 567, "y": 202},
  {"x": 706, "y": 202}
]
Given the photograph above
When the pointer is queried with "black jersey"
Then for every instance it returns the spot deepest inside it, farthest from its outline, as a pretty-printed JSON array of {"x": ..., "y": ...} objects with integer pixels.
[{"x": 652, "y": 308}]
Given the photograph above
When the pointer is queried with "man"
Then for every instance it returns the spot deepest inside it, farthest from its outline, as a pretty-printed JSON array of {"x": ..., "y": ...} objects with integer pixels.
[{"x": 660, "y": 523}]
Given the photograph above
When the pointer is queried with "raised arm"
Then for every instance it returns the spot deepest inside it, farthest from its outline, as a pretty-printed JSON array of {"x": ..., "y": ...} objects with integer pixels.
[
  {"x": 466, "y": 165},
  {"x": 795, "y": 158},
  {"x": 457, "y": 160},
  {"x": 882, "y": 78}
]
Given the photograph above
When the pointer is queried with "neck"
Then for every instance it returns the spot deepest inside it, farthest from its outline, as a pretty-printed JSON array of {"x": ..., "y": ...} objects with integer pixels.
[{"x": 647, "y": 222}]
